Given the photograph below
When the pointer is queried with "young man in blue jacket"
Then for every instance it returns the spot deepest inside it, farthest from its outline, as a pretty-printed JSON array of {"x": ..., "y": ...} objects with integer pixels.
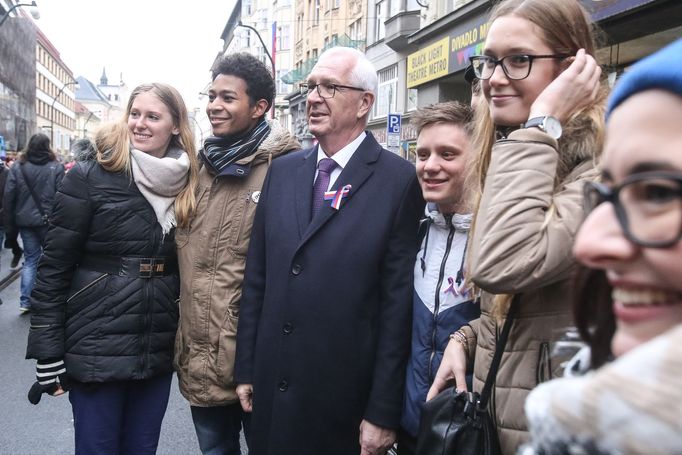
[{"x": 442, "y": 300}]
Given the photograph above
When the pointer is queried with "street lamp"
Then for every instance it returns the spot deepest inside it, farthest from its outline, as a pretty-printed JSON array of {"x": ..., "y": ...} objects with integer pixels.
[
  {"x": 34, "y": 11},
  {"x": 52, "y": 109},
  {"x": 272, "y": 62}
]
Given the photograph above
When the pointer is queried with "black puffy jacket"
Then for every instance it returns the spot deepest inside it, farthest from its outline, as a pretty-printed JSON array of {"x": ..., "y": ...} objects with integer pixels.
[{"x": 106, "y": 326}]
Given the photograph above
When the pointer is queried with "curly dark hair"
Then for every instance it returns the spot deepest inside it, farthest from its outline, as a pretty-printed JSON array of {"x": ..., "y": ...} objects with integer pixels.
[{"x": 260, "y": 84}]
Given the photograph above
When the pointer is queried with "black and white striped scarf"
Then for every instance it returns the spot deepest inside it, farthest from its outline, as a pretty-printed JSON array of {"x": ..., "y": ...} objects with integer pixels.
[{"x": 220, "y": 152}]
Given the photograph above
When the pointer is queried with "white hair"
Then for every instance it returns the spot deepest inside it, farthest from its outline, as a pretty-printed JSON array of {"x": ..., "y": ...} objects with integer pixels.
[{"x": 363, "y": 74}]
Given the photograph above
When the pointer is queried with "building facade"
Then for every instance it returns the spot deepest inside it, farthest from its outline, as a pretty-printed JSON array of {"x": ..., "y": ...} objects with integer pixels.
[
  {"x": 387, "y": 48},
  {"x": 95, "y": 101},
  {"x": 319, "y": 25},
  {"x": 55, "y": 96},
  {"x": 86, "y": 121},
  {"x": 116, "y": 94},
  {"x": 17, "y": 80}
]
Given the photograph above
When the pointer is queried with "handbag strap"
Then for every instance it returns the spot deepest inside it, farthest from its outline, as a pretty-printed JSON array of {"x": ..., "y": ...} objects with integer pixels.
[
  {"x": 32, "y": 191},
  {"x": 497, "y": 357}
]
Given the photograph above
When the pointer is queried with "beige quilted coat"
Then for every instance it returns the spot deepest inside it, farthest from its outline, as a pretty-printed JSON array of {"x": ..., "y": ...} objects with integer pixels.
[{"x": 530, "y": 211}]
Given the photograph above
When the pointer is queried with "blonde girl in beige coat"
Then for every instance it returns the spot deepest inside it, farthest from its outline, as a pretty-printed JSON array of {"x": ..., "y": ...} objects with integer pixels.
[{"x": 537, "y": 134}]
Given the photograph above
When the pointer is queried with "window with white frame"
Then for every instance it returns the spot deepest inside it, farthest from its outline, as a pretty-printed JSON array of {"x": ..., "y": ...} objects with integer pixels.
[
  {"x": 379, "y": 15},
  {"x": 283, "y": 88},
  {"x": 314, "y": 11},
  {"x": 283, "y": 38},
  {"x": 262, "y": 19},
  {"x": 395, "y": 7},
  {"x": 355, "y": 30},
  {"x": 387, "y": 93},
  {"x": 411, "y": 99},
  {"x": 246, "y": 7}
]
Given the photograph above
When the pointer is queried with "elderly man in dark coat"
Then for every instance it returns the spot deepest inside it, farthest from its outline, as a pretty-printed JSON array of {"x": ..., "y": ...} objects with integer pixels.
[{"x": 324, "y": 329}]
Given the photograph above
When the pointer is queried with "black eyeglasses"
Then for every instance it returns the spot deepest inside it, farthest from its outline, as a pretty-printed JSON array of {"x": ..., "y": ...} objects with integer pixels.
[
  {"x": 648, "y": 206},
  {"x": 325, "y": 91},
  {"x": 515, "y": 67}
]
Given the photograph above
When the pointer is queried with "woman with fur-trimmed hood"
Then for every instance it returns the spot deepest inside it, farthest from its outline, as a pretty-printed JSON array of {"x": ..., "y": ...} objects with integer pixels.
[{"x": 538, "y": 132}]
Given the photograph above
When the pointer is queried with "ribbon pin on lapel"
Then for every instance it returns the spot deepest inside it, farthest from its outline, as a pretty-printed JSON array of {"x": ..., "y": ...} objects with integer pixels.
[{"x": 336, "y": 196}]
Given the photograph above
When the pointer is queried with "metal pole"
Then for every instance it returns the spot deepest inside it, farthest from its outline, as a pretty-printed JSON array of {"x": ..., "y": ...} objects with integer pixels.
[
  {"x": 54, "y": 100},
  {"x": 4, "y": 18},
  {"x": 272, "y": 62}
]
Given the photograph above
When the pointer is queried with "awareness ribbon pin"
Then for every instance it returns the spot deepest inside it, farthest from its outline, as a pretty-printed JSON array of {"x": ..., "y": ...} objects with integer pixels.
[
  {"x": 336, "y": 196},
  {"x": 454, "y": 288}
]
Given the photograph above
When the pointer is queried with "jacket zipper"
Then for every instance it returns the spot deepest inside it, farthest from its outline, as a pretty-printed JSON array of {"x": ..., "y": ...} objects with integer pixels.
[
  {"x": 492, "y": 406},
  {"x": 441, "y": 275},
  {"x": 88, "y": 286},
  {"x": 147, "y": 295}
]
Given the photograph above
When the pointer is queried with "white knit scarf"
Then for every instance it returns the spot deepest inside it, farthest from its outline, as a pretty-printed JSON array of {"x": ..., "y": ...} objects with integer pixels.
[{"x": 160, "y": 180}]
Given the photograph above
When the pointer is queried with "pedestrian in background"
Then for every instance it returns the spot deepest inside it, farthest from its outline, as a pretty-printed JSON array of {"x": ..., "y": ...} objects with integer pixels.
[
  {"x": 212, "y": 251},
  {"x": 106, "y": 299},
  {"x": 27, "y": 203},
  {"x": 8, "y": 242},
  {"x": 537, "y": 70},
  {"x": 324, "y": 321},
  {"x": 631, "y": 241},
  {"x": 442, "y": 300},
  {"x": 475, "y": 85}
]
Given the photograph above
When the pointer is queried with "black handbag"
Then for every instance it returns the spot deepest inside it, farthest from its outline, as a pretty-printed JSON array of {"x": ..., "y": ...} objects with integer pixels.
[{"x": 458, "y": 423}]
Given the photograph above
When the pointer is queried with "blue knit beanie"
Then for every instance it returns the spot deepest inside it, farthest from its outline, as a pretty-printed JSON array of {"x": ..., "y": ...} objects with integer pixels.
[{"x": 662, "y": 69}]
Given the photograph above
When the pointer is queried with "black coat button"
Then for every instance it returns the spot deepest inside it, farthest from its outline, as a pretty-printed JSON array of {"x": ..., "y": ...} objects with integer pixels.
[
  {"x": 283, "y": 386},
  {"x": 296, "y": 269},
  {"x": 287, "y": 328}
]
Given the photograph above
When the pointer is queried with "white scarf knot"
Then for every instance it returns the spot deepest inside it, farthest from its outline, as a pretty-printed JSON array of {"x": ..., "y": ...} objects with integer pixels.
[{"x": 160, "y": 180}]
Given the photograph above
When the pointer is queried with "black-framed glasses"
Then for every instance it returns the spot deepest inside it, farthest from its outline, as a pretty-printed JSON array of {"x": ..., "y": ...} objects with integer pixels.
[
  {"x": 325, "y": 91},
  {"x": 515, "y": 66},
  {"x": 648, "y": 206}
]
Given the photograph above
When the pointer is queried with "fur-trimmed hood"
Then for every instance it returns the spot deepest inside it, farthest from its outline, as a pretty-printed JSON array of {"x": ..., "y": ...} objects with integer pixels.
[
  {"x": 279, "y": 142},
  {"x": 581, "y": 140}
]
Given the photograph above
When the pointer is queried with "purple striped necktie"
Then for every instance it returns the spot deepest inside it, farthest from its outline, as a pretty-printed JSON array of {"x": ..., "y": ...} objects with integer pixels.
[{"x": 324, "y": 170}]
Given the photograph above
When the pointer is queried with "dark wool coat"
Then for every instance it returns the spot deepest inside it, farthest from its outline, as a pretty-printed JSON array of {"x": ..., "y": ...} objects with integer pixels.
[
  {"x": 324, "y": 327},
  {"x": 106, "y": 326}
]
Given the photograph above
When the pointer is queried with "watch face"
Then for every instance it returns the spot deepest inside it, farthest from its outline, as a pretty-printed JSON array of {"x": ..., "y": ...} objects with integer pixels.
[{"x": 553, "y": 127}]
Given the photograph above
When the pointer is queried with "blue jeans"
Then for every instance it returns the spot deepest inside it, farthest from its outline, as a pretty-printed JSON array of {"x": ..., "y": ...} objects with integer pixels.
[
  {"x": 218, "y": 428},
  {"x": 33, "y": 239},
  {"x": 119, "y": 418}
]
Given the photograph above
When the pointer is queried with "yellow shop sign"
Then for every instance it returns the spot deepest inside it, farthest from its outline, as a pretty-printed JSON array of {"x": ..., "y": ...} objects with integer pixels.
[{"x": 429, "y": 63}]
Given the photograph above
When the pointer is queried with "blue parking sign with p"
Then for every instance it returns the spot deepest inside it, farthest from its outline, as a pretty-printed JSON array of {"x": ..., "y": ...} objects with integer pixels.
[{"x": 393, "y": 125}]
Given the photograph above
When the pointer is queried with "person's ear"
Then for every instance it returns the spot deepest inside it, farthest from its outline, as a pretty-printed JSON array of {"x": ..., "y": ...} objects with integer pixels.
[
  {"x": 565, "y": 63},
  {"x": 259, "y": 109},
  {"x": 366, "y": 103},
  {"x": 175, "y": 131}
]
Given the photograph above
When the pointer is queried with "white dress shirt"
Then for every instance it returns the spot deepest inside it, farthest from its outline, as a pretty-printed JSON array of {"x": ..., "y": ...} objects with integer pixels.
[{"x": 342, "y": 157}]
